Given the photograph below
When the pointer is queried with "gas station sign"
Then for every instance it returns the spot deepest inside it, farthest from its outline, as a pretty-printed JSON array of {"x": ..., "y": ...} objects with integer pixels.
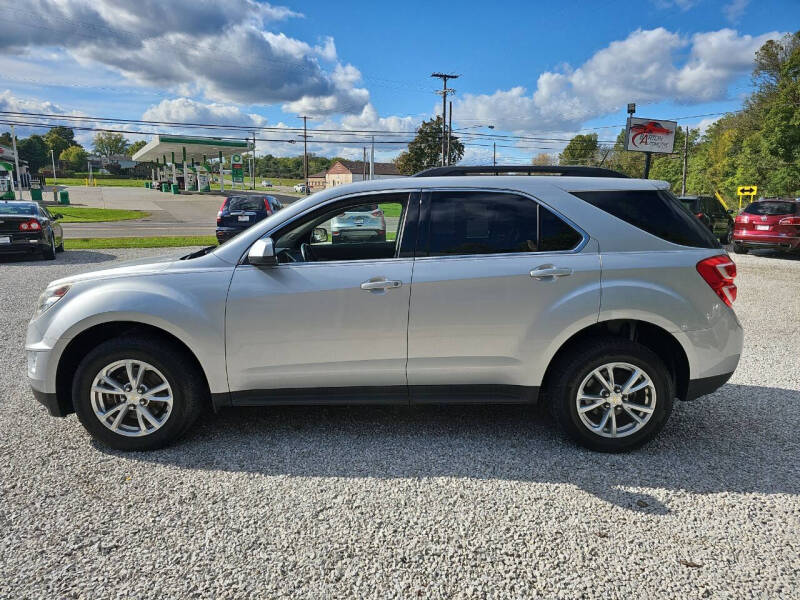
[{"x": 237, "y": 170}]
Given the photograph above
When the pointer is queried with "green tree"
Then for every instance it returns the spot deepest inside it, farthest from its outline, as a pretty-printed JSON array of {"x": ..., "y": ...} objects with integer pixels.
[
  {"x": 34, "y": 151},
  {"x": 74, "y": 158},
  {"x": 5, "y": 139},
  {"x": 107, "y": 143},
  {"x": 425, "y": 150},
  {"x": 581, "y": 150},
  {"x": 59, "y": 139},
  {"x": 135, "y": 147}
]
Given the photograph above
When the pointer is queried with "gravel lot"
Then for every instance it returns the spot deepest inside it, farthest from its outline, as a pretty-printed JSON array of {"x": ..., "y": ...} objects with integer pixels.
[{"x": 433, "y": 503}]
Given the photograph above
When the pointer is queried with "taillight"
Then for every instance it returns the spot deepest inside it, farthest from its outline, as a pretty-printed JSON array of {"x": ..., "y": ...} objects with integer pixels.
[
  {"x": 789, "y": 221},
  {"x": 377, "y": 212},
  {"x": 699, "y": 215},
  {"x": 719, "y": 273},
  {"x": 266, "y": 207},
  {"x": 30, "y": 225}
]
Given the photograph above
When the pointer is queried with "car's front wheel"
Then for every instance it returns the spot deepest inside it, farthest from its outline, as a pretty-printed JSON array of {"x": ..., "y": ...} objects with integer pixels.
[
  {"x": 611, "y": 395},
  {"x": 137, "y": 393}
]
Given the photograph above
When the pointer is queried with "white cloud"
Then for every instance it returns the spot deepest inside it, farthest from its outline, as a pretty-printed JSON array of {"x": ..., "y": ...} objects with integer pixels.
[
  {"x": 643, "y": 68},
  {"x": 683, "y": 5},
  {"x": 185, "y": 110},
  {"x": 221, "y": 50},
  {"x": 734, "y": 10}
]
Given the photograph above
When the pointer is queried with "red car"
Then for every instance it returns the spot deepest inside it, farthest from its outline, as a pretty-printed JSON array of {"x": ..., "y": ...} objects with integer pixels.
[{"x": 772, "y": 223}]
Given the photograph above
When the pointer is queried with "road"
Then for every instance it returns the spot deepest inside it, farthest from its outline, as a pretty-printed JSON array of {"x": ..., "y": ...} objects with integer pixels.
[
  {"x": 170, "y": 215},
  {"x": 455, "y": 502}
]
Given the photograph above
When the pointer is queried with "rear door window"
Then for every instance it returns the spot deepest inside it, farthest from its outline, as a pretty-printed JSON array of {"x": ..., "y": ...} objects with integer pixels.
[
  {"x": 658, "y": 212},
  {"x": 467, "y": 222}
]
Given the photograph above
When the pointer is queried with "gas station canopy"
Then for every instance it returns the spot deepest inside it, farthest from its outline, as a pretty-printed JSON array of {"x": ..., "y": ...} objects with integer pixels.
[{"x": 162, "y": 147}]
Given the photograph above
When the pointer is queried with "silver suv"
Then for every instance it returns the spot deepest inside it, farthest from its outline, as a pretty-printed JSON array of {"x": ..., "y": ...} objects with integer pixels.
[{"x": 599, "y": 295}]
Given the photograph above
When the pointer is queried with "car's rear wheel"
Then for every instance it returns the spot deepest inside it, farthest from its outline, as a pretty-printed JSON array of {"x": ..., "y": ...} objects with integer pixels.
[
  {"x": 728, "y": 237},
  {"x": 137, "y": 394},
  {"x": 610, "y": 395},
  {"x": 739, "y": 248},
  {"x": 49, "y": 253}
]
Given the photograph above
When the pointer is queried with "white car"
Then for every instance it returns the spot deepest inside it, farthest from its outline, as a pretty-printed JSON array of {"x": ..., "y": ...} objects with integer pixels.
[{"x": 300, "y": 188}]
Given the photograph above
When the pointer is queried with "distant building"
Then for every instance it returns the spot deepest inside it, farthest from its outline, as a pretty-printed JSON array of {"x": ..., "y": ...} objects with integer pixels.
[
  {"x": 348, "y": 171},
  {"x": 316, "y": 182},
  {"x": 118, "y": 162}
]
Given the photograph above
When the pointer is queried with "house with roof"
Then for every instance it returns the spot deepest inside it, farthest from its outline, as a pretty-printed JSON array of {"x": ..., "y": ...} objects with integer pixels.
[{"x": 348, "y": 171}]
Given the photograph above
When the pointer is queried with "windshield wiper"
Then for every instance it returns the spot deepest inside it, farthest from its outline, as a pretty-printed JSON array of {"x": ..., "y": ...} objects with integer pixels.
[{"x": 198, "y": 253}]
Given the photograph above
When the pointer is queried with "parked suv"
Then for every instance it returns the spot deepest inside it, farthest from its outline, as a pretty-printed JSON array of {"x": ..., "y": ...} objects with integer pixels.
[
  {"x": 772, "y": 223},
  {"x": 713, "y": 215},
  {"x": 237, "y": 213},
  {"x": 596, "y": 294}
]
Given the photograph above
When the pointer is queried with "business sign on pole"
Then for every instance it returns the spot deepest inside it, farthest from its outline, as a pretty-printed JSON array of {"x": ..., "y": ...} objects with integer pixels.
[
  {"x": 649, "y": 135},
  {"x": 237, "y": 169},
  {"x": 7, "y": 153}
]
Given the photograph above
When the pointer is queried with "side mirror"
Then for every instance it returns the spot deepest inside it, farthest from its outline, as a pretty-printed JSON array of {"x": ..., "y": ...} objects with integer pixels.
[
  {"x": 731, "y": 211},
  {"x": 320, "y": 234},
  {"x": 262, "y": 253},
  {"x": 57, "y": 216}
]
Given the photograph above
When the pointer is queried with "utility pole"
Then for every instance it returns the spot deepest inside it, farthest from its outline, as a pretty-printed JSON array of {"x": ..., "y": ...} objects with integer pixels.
[
  {"x": 372, "y": 160},
  {"x": 449, "y": 129},
  {"x": 305, "y": 150},
  {"x": 443, "y": 92},
  {"x": 685, "y": 157},
  {"x": 16, "y": 163},
  {"x": 53, "y": 158},
  {"x": 494, "y": 154},
  {"x": 253, "y": 162},
  {"x": 364, "y": 162}
]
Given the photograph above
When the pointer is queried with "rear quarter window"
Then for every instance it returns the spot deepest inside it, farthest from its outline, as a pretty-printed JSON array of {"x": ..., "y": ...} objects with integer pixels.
[{"x": 658, "y": 212}]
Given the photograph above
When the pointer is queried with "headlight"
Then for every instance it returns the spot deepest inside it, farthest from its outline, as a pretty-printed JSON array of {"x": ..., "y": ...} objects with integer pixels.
[{"x": 49, "y": 297}]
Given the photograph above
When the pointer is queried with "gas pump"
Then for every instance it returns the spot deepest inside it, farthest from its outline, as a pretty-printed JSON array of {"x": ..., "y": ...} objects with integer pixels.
[
  {"x": 203, "y": 181},
  {"x": 191, "y": 178},
  {"x": 6, "y": 183}
]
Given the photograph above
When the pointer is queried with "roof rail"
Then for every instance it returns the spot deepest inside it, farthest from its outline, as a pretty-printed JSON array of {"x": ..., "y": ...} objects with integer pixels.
[{"x": 526, "y": 169}]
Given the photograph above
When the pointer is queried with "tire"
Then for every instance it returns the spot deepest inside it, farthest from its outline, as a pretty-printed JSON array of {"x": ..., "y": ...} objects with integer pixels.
[
  {"x": 576, "y": 368},
  {"x": 60, "y": 247},
  {"x": 49, "y": 253},
  {"x": 727, "y": 238},
  {"x": 187, "y": 388},
  {"x": 739, "y": 249}
]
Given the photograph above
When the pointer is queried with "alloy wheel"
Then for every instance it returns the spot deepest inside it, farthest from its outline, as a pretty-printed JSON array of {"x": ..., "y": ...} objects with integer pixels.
[
  {"x": 616, "y": 400},
  {"x": 131, "y": 398}
]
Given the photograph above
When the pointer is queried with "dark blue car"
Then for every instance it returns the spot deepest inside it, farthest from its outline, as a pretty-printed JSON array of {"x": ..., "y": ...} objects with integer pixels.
[{"x": 237, "y": 213}]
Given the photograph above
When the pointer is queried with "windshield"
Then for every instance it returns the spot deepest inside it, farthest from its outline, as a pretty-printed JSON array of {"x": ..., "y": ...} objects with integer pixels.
[
  {"x": 771, "y": 208},
  {"x": 17, "y": 209}
]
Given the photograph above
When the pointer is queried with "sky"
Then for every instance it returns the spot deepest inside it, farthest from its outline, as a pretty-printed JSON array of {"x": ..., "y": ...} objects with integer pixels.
[{"x": 537, "y": 72}]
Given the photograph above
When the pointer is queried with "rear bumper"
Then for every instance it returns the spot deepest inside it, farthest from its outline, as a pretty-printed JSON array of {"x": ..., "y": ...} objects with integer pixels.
[
  {"x": 766, "y": 239},
  {"x": 706, "y": 385},
  {"x": 226, "y": 233},
  {"x": 23, "y": 242}
]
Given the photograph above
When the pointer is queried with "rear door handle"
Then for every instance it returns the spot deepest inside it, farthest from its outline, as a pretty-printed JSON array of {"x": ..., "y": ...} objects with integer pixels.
[
  {"x": 380, "y": 284},
  {"x": 550, "y": 272}
]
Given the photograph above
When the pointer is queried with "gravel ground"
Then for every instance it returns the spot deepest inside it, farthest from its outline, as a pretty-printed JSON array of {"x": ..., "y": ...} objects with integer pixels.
[{"x": 434, "y": 503}]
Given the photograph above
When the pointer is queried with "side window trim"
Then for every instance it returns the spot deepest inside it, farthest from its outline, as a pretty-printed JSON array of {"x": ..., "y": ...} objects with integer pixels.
[{"x": 423, "y": 245}]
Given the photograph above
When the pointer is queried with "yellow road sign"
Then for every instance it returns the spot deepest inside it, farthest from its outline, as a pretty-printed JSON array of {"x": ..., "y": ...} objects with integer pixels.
[{"x": 747, "y": 190}]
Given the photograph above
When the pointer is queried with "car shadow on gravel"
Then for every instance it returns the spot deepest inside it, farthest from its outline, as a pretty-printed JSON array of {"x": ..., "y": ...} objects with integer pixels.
[
  {"x": 742, "y": 439},
  {"x": 69, "y": 256}
]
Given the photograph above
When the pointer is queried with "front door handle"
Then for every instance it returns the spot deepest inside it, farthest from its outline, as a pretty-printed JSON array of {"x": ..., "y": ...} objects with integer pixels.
[
  {"x": 380, "y": 284},
  {"x": 547, "y": 272}
]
